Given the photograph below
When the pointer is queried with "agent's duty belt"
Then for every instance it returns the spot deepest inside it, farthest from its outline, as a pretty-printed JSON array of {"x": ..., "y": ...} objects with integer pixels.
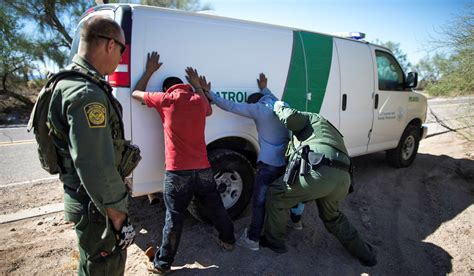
[
  {"x": 334, "y": 163},
  {"x": 306, "y": 159}
]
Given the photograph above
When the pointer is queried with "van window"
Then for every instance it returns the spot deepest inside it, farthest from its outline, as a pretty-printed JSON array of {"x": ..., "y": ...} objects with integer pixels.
[
  {"x": 390, "y": 74},
  {"x": 75, "y": 41}
]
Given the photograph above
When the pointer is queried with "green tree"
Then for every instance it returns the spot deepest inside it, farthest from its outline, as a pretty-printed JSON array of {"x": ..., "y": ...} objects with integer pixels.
[
  {"x": 53, "y": 23},
  {"x": 185, "y": 5},
  {"x": 452, "y": 74},
  {"x": 54, "y": 20},
  {"x": 16, "y": 57},
  {"x": 398, "y": 53},
  {"x": 431, "y": 68}
]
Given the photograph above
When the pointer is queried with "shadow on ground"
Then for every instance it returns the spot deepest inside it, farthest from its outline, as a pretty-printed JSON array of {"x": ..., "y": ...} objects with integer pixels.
[{"x": 395, "y": 209}]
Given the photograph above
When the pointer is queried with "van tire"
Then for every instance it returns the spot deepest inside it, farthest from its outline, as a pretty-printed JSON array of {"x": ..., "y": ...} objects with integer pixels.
[
  {"x": 403, "y": 155},
  {"x": 234, "y": 177}
]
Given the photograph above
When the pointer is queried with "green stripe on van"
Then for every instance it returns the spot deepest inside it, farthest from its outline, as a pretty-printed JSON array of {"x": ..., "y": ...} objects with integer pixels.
[{"x": 309, "y": 70}]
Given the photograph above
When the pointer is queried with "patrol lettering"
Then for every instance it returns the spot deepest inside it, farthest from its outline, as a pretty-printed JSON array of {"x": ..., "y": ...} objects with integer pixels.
[
  {"x": 238, "y": 96},
  {"x": 96, "y": 115},
  {"x": 232, "y": 97}
]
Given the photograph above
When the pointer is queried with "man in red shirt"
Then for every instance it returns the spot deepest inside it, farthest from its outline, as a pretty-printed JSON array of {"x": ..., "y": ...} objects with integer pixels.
[{"x": 183, "y": 111}]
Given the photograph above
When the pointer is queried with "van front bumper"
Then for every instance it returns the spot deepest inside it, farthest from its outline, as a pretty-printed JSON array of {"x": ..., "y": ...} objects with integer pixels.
[{"x": 424, "y": 131}]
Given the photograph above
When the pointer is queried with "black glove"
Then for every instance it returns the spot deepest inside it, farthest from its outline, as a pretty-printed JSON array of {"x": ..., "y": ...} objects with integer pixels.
[{"x": 125, "y": 237}]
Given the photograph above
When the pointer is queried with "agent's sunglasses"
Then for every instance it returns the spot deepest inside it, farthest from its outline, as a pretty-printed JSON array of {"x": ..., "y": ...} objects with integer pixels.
[{"x": 122, "y": 47}]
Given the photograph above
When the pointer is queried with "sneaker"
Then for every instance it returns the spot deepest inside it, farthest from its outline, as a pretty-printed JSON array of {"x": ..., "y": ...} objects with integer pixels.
[
  {"x": 295, "y": 225},
  {"x": 277, "y": 249},
  {"x": 244, "y": 241},
  {"x": 224, "y": 245}
]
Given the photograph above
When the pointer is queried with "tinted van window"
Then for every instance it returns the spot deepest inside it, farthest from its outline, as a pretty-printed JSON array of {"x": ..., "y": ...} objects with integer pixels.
[{"x": 390, "y": 74}]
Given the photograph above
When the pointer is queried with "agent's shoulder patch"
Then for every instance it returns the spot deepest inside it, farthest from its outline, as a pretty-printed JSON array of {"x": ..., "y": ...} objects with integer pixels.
[{"x": 96, "y": 115}]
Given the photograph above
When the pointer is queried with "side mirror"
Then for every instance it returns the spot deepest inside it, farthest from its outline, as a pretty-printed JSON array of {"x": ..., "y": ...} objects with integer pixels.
[{"x": 411, "y": 80}]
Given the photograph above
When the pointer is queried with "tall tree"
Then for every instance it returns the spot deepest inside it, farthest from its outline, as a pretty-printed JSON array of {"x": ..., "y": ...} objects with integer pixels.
[
  {"x": 54, "y": 21},
  {"x": 35, "y": 31},
  {"x": 15, "y": 53},
  {"x": 453, "y": 71}
]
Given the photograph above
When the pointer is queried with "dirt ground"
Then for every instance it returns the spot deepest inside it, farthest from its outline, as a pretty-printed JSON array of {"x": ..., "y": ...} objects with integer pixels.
[{"x": 420, "y": 219}]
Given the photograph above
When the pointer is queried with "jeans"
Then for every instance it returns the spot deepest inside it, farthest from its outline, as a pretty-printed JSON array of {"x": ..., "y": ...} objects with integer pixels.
[
  {"x": 179, "y": 189},
  {"x": 296, "y": 212},
  {"x": 266, "y": 174}
]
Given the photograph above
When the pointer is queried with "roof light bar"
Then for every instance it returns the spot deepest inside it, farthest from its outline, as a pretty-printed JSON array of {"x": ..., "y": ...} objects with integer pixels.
[{"x": 352, "y": 35}]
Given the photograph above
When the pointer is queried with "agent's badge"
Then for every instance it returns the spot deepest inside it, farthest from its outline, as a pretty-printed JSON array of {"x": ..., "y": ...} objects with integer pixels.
[{"x": 96, "y": 115}]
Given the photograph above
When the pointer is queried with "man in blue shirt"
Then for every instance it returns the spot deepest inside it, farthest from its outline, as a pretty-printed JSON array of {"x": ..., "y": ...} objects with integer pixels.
[{"x": 273, "y": 139}]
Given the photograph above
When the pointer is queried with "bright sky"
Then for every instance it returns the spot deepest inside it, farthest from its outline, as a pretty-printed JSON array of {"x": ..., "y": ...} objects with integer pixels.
[{"x": 412, "y": 23}]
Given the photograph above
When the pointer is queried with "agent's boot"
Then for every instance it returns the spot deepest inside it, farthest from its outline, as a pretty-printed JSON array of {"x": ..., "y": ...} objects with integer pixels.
[{"x": 349, "y": 238}]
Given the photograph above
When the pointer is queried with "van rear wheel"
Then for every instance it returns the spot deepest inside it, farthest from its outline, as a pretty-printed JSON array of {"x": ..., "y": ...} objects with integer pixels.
[
  {"x": 404, "y": 154},
  {"x": 234, "y": 176}
]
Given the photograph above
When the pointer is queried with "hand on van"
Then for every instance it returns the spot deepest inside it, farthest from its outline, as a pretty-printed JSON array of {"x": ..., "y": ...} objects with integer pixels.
[
  {"x": 206, "y": 86},
  {"x": 153, "y": 62},
  {"x": 262, "y": 81},
  {"x": 195, "y": 81},
  {"x": 193, "y": 78}
]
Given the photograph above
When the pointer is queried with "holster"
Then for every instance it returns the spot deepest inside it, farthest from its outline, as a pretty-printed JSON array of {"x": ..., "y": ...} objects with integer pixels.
[
  {"x": 130, "y": 159},
  {"x": 351, "y": 173},
  {"x": 315, "y": 159},
  {"x": 291, "y": 170}
]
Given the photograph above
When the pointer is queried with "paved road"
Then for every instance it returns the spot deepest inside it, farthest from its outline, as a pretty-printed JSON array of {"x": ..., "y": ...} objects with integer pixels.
[
  {"x": 19, "y": 162},
  {"x": 18, "y": 157},
  {"x": 455, "y": 113}
]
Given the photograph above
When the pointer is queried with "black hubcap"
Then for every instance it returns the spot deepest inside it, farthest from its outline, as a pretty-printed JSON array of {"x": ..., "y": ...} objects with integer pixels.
[{"x": 221, "y": 188}]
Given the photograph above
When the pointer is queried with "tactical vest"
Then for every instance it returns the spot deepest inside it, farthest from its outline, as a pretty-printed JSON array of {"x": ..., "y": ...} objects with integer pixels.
[
  {"x": 318, "y": 131},
  {"x": 127, "y": 155},
  {"x": 326, "y": 133}
]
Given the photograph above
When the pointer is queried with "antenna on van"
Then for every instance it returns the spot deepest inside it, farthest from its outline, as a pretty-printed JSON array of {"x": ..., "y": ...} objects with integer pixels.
[{"x": 352, "y": 35}]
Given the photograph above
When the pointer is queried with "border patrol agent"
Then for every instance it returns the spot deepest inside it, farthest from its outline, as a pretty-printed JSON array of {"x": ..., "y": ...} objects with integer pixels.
[
  {"x": 89, "y": 138},
  {"x": 318, "y": 170}
]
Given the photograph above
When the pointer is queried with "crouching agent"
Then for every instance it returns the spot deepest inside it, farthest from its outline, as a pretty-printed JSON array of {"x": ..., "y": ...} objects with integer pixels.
[
  {"x": 183, "y": 109},
  {"x": 318, "y": 170}
]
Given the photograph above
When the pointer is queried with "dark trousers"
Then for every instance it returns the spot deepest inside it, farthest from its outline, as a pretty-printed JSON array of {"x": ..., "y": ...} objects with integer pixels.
[
  {"x": 266, "y": 174},
  {"x": 179, "y": 189}
]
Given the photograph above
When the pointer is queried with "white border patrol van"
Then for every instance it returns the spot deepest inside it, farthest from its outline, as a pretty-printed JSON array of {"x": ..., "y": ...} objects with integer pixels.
[{"x": 359, "y": 87}]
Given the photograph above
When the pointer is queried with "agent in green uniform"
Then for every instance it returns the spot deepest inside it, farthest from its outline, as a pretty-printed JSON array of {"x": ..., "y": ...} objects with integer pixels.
[
  {"x": 324, "y": 179},
  {"x": 89, "y": 140}
]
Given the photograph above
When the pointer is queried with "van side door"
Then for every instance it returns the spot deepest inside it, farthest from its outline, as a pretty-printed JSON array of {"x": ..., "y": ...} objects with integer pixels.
[
  {"x": 307, "y": 82},
  {"x": 357, "y": 86},
  {"x": 390, "y": 101}
]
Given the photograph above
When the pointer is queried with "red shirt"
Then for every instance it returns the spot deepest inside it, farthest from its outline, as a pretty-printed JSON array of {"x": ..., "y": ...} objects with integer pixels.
[{"x": 183, "y": 114}]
